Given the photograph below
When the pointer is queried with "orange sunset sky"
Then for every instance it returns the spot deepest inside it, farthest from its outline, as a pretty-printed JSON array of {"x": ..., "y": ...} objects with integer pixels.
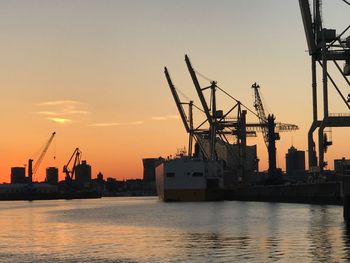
[{"x": 92, "y": 71}]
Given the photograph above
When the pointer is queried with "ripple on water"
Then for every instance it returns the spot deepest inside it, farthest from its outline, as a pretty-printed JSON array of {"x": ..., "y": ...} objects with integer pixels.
[{"x": 146, "y": 230}]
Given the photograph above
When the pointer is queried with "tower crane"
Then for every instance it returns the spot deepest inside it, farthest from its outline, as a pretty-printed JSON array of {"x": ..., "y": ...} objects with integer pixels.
[
  {"x": 70, "y": 172},
  {"x": 269, "y": 129},
  {"x": 33, "y": 169}
]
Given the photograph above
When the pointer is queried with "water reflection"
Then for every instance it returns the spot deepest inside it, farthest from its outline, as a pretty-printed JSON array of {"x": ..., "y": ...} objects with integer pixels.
[
  {"x": 145, "y": 230},
  {"x": 346, "y": 238},
  {"x": 324, "y": 238}
]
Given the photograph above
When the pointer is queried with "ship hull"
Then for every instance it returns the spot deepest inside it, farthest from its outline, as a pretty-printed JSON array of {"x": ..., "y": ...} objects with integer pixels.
[{"x": 192, "y": 195}]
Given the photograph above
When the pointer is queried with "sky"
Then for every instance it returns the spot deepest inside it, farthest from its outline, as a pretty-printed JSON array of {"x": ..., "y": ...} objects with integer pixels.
[{"x": 92, "y": 71}]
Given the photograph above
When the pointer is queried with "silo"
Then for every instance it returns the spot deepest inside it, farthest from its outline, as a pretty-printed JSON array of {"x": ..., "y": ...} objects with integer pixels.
[
  {"x": 18, "y": 175},
  {"x": 83, "y": 174},
  {"x": 52, "y": 175}
]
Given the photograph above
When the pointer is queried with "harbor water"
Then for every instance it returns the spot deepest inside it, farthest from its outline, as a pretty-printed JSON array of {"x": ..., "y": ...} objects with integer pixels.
[{"x": 144, "y": 229}]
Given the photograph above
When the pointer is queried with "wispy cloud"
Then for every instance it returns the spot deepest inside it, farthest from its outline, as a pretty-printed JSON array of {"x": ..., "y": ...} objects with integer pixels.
[
  {"x": 60, "y": 120},
  {"x": 176, "y": 117},
  {"x": 164, "y": 118},
  {"x": 110, "y": 124},
  {"x": 62, "y": 111},
  {"x": 60, "y": 102},
  {"x": 158, "y": 118},
  {"x": 47, "y": 113}
]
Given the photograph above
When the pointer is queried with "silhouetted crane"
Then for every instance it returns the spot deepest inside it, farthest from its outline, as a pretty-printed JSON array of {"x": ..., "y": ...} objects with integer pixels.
[
  {"x": 324, "y": 45},
  {"x": 70, "y": 172},
  {"x": 33, "y": 169},
  {"x": 269, "y": 129}
]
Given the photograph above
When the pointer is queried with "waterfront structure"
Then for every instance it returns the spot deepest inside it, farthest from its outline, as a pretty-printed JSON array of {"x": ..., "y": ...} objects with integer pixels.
[
  {"x": 295, "y": 164},
  {"x": 18, "y": 175},
  {"x": 149, "y": 168},
  {"x": 83, "y": 174},
  {"x": 324, "y": 46},
  {"x": 52, "y": 175},
  {"x": 342, "y": 166}
]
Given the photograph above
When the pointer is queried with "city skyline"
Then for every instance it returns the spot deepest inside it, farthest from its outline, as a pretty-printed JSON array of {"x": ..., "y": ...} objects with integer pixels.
[{"x": 93, "y": 73}]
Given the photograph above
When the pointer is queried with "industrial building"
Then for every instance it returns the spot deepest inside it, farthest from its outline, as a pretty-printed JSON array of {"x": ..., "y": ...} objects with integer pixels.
[
  {"x": 18, "y": 175},
  {"x": 236, "y": 167},
  {"x": 52, "y": 175},
  {"x": 149, "y": 168},
  {"x": 342, "y": 166},
  {"x": 295, "y": 165},
  {"x": 83, "y": 174}
]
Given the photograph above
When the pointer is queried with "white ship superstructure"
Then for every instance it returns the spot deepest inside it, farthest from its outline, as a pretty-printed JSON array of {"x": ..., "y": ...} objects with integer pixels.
[{"x": 189, "y": 179}]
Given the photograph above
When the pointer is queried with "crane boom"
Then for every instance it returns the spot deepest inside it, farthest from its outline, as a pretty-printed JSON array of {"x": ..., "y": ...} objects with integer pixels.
[
  {"x": 177, "y": 100},
  {"x": 259, "y": 107},
  {"x": 307, "y": 21},
  {"x": 199, "y": 90},
  {"x": 42, "y": 155}
]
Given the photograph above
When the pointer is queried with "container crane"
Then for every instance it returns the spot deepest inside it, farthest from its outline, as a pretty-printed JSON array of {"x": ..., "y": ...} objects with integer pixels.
[
  {"x": 324, "y": 46},
  {"x": 270, "y": 129},
  {"x": 70, "y": 172},
  {"x": 32, "y": 169}
]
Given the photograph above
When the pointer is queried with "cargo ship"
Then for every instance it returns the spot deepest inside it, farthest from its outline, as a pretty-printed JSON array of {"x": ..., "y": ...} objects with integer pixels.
[{"x": 185, "y": 178}]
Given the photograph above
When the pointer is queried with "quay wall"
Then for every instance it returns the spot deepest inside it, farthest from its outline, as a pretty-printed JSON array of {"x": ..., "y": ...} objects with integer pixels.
[{"x": 319, "y": 193}]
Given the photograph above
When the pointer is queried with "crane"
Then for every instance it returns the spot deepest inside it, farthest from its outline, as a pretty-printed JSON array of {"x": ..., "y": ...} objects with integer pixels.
[
  {"x": 223, "y": 124},
  {"x": 324, "y": 45},
  {"x": 70, "y": 173},
  {"x": 33, "y": 169},
  {"x": 194, "y": 133},
  {"x": 268, "y": 127}
]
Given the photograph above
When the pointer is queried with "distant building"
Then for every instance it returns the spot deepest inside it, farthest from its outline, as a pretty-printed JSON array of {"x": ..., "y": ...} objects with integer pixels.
[
  {"x": 83, "y": 174},
  {"x": 149, "y": 168},
  {"x": 342, "y": 166},
  {"x": 295, "y": 164},
  {"x": 18, "y": 175},
  {"x": 99, "y": 176},
  {"x": 52, "y": 175}
]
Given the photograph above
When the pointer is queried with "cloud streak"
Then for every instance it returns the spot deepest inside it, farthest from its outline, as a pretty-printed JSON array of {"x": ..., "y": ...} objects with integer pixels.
[
  {"x": 60, "y": 120},
  {"x": 164, "y": 118},
  {"x": 61, "y": 111},
  {"x": 111, "y": 124},
  {"x": 154, "y": 118},
  {"x": 60, "y": 102}
]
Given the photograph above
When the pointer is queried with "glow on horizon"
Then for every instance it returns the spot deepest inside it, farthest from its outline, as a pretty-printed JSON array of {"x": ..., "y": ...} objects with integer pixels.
[{"x": 93, "y": 72}]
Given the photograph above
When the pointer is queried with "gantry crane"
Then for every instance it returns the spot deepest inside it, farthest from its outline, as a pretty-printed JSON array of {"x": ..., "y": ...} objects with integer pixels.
[
  {"x": 324, "y": 46},
  {"x": 33, "y": 169},
  {"x": 71, "y": 172},
  {"x": 270, "y": 129}
]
